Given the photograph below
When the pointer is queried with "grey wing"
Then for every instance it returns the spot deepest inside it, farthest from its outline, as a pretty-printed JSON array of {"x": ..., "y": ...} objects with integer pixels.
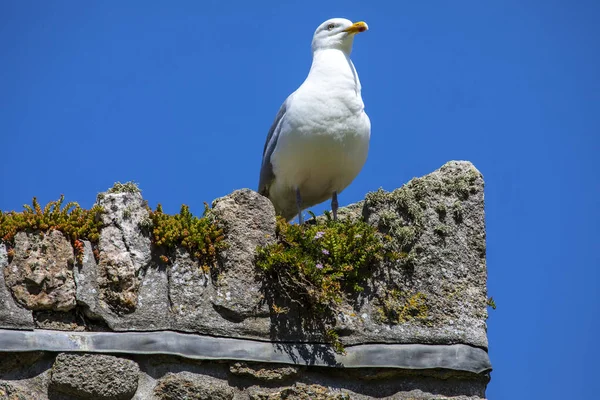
[{"x": 266, "y": 169}]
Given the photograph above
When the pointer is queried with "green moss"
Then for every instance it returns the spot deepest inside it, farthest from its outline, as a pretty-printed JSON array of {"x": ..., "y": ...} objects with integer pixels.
[
  {"x": 199, "y": 236},
  {"x": 397, "y": 307},
  {"x": 324, "y": 259},
  {"x": 462, "y": 185},
  {"x": 404, "y": 201},
  {"x": 127, "y": 187},
  {"x": 400, "y": 214},
  {"x": 72, "y": 220},
  {"x": 317, "y": 266}
]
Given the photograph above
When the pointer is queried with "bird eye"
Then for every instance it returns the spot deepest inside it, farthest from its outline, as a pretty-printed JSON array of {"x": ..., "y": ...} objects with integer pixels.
[{"x": 330, "y": 27}]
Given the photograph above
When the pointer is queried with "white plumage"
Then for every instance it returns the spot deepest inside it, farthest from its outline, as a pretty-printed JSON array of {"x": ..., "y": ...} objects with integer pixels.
[{"x": 319, "y": 140}]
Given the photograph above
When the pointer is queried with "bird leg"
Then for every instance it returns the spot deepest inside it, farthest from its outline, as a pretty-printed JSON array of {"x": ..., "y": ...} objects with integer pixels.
[
  {"x": 299, "y": 205},
  {"x": 334, "y": 205}
]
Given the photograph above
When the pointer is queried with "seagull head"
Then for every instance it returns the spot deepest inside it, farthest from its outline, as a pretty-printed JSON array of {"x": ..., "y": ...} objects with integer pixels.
[{"x": 337, "y": 33}]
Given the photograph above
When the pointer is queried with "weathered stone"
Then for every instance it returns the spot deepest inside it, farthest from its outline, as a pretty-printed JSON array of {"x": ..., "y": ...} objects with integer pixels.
[
  {"x": 193, "y": 294},
  {"x": 94, "y": 376},
  {"x": 301, "y": 391},
  {"x": 40, "y": 275},
  {"x": 434, "y": 294},
  {"x": 189, "y": 386},
  {"x": 152, "y": 308},
  {"x": 59, "y": 320},
  {"x": 248, "y": 221},
  {"x": 12, "y": 315},
  {"x": 11, "y": 362},
  {"x": 152, "y": 311},
  {"x": 437, "y": 292},
  {"x": 263, "y": 372},
  {"x": 10, "y": 391},
  {"x": 190, "y": 292},
  {"x": 87, "y": 282},
  {"x": 124, "y": 249},
  {"x": 162, "y": 377}
]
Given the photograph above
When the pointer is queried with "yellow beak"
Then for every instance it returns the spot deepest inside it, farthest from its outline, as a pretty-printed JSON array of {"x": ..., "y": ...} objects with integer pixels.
[{"x": 357, "y": 27}]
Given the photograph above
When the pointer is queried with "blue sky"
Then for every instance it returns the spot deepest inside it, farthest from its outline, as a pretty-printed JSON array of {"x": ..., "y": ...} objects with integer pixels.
[{"x": 179, "y": 97}]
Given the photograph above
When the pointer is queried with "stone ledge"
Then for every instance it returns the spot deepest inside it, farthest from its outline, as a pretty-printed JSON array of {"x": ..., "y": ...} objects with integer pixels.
[
  {"x": 439, "y": 297},
  {"x": 456, "y": 357},
  {"x": 417, "y": 331},
  {"x": 89, "y": 376}
]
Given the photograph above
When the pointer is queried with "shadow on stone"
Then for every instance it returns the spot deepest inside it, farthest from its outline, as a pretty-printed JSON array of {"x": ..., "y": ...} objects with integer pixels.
[
  {"x": 74, "y": 320},
  {"x": 383, "y": 382},
  {"x": 295, "y": 319},
  {"x": 160, "y": 365},
  {"x": 24, "y": 365}
]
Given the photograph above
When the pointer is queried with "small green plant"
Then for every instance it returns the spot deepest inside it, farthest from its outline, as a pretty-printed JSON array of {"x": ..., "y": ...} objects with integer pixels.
[
  {"x": 397, "y": 307},
  {"x": 72, "y": 220},
  {"x": 200, "y": 236},
  {"x": 316, "y": 266},
  {"x": 323, "y": 260},
  {"x": 127, "y": 187},
  {"x": 491, "y": 303}
]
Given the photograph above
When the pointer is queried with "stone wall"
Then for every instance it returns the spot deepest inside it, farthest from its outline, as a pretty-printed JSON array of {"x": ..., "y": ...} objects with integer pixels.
[{"x": 120, "y": 324}]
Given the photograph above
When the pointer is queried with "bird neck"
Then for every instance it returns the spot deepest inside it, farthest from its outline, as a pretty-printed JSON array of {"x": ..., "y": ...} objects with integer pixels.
[{"x": 335, "y": 67}]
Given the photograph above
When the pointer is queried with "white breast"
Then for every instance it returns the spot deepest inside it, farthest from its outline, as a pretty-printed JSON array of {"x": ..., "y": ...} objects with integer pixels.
[{"x": 324, "y": 137}]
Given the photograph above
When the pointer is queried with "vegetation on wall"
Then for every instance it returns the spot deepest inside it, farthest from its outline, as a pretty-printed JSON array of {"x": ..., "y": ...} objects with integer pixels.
[
  {"x": 312, "y": 270},
  {"x": 199, "y": 236},
  {"x": 313, "y": 267},
  {"x": 73, "y": 221}
]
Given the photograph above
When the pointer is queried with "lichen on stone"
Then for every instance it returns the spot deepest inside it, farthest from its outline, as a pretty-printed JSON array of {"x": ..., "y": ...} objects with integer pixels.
[
  {"x": 400, "y": 214},
  {"x": 127, "y": 187},
  {"x": 398, "y": 307}
]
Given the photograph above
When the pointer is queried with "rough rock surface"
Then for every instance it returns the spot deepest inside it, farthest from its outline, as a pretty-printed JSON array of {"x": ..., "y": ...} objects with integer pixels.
[
  {"x": 87, "y": 282},
  {"x": 437, "y": 292},
  {"x": 34, "y": 376},
  {"x": 151, "y": 311},
  {"x": 40, "y": 275},
  {"x": 94, "y": 376},
  {"x": 124, "y": 249},
  {"x": 12, "y": 315},
  {"x": 188, "y": 386},
  {"x": 228, "y": 299},
  {"x": 248, "y": 221},
  {"x": 10, "y": 391},
  {"x": 302, "y": 391},
  {"x": 263, "y": 372}
]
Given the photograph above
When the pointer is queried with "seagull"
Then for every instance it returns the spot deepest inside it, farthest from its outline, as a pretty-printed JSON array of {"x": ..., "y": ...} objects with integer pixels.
[{"x": 319, "y": 140}]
